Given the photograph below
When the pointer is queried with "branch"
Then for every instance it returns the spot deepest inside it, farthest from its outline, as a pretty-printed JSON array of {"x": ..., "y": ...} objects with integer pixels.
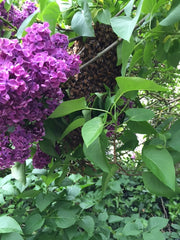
[
  {"x": 75, "y": 38},
  {"x": 101, "y": 53},
  {"x": 7, "y": 22},
  {"x": 115, "y": 43}
]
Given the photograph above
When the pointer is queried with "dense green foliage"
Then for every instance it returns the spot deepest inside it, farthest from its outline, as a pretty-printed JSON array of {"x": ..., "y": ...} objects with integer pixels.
[
  {"x": 96, "y": 190},
  {"x": 76, "y": 209}
]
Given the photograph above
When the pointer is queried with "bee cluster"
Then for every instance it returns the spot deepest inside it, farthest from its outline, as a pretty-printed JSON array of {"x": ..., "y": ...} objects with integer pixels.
[
  {"x": 93, "y": 77},
  {"x": 103, "y": 71}
]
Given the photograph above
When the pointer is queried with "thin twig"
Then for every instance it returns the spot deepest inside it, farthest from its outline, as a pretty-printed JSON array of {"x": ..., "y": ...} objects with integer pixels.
[
  {"x": 115, "y": 43},
  {"x": 7, "y": 22},
  {"x": 165, "y": 213},
  {"x": 75, "y": 38}
]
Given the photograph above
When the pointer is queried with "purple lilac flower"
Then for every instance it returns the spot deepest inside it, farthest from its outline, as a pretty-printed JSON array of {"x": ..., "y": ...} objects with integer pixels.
[
  {"x": 31, "y": 73},
  {"x": 16, "y": 16},
  {"x": 40, "y": 159}
]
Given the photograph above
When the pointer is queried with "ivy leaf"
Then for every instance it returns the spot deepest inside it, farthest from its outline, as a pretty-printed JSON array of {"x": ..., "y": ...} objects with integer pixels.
[
  {"x": 91, "y": 130},
  {"x": 161, "y": 164},
  {"x": 157, "y": 223},
  {"x": 66, "y": 217},
  {"x": 11, "y": 236},
  {"x": 44, "y": 200},
  {"x": 8, "y": 224},
  {"x": 33, "y": 223},
  {"x": 82, "y": 22},
  {"x": 154, "y": 234},
  {"x": 87, "y": 223}
]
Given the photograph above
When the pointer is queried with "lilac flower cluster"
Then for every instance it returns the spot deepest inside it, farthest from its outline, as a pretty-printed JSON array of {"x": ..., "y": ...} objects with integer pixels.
[
  {"x": 16, "y": 16},
  {"x": 30, "y": 76}
]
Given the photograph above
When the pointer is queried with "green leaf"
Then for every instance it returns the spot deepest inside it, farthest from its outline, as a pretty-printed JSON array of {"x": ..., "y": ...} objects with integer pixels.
[
  {"x": 139, "y": 114},
  {"x": 174, "y": 142},
  {"x": 96, "y": 154},
  {"x": 87, "y": 223},
  {"x": 118, "y": 50},
  {"x": 82, "y": 22},
  {"x": 157, "y": 223},
  {"x": 129, "y": 141},
  {"x": 155, "y": 186},
  {"x": 50, "y": 14},
  {"x": 8, "y": 224},
  {"x": 127, "y": 84},
  {"x": 91, "y": 130},
  {"x": 18, "y": 172},
  {"x": 131, "y": 229},
  {"x": 137, "y": 56},
  {"x": 107, "y": 176},
  {"x": 27, "y": 22},
  {"x": 11, "y": 236},
  {"x": 48, "y": 147},
  {"x": 172, "y": 17},
  {"x": 28, "y": 194},
  {"x": 141, "y": 127},
  {"x": 33, "y": 223},
  {"x": 115, "y": 219},
  {"x": 148, "y": 6},
  {"x": 50, "y": 177},
  {"x": 155, "y": 234},
  {"x": 68, "y": 107},
  {"x": 66, "y": 217},
  {"x": 160, "y": 163},
  {"x": 104, "y": 16},
  {"x": 123, "y": 26},
  {"x": 75, "y": 124},
  {"x": 128, "y": 8},
  {"x": 148, "y": 50},
  {"x": 43, "y": 4},
  {"x": 44, "y": 200},
  {"x": 126, "y": 50}
]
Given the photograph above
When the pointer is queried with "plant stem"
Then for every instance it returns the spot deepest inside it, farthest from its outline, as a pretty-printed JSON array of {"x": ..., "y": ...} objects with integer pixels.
[{"x": 7, "y": 22}]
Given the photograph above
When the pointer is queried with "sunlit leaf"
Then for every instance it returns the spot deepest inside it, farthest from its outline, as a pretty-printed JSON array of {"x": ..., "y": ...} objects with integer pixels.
[
  {"x": 91, "y": 130},
  {"x": 123, "y": 26},
  {"x": 9, "y": 224},
  {"x": 82, "y": 22}
]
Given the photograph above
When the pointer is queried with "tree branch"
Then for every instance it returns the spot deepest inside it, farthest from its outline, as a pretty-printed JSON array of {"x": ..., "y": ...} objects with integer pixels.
[
  {"x": 7, "y": 22},
  {"x": 115, "y": 43}
]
